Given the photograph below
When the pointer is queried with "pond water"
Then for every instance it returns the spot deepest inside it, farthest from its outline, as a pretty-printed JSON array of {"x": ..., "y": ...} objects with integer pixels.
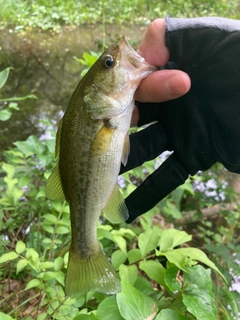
[{"x": 44, "y": 65}]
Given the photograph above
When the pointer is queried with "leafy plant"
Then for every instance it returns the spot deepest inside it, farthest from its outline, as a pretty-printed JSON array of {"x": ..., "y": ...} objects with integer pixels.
[{"x": 6, "y": 109}]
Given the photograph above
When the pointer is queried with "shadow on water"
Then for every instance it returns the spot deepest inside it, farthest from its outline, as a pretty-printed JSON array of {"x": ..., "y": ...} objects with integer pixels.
[{"x": 44, "y": 65}]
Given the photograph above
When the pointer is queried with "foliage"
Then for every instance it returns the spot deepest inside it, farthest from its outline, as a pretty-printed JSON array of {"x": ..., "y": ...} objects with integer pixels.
[
  {"x": 6, "y": 109},
  {"x": 54, "y": 14}
]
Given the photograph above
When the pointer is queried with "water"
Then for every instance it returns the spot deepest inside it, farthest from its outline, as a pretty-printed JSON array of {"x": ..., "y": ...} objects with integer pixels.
[{"x": 44, "y": 65}]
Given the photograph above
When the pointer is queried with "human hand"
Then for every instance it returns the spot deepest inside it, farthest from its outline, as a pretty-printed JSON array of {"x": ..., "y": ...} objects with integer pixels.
[
  {"x": 162, "y": 85},
  {"x": 203, "y": 126}
]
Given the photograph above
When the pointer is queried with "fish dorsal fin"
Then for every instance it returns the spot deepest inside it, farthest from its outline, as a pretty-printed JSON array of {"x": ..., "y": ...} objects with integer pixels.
[
  {"x": 126, "y": 150},
  {"x": 116, "y": 210},
  {"x": 53, "y": 188},
  {"x": 58, "y": 136}
]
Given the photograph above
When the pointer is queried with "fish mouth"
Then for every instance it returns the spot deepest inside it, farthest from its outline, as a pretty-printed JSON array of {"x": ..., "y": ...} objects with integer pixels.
[{"x": 134, "y": 57}]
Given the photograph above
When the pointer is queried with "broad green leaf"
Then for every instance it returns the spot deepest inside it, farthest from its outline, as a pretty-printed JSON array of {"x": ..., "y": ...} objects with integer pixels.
[
  {"x": 50, "y": 218},
  {"x": 199, "y": 255},
  {"x": 183, "y": 262},
  {"x": 134, "y": 255},
  {"x": 8, "y": 257},
  {"x": 58, "y": 263},
  {"x": 46, "y": 265},
  {"x": 33, "y": 283},
  {"x": 5, "y": 114},
  {"x": 171, "y": 238},
  {"x": 4, "y": 316},
  {"x": 13, "y": 105},
  {"x": 20, "y": 247},
  {"x": 128, "y": 273},
  {"x": 154, "y": 271},
  {"x": 21, "y": 264},
  {"x": 62, "y": 230},
  {"x": 144, "y": 286},
  {"x": 48, "y": 228},
  {"x": 4, "y": 76},
  {"x": 170, "y": 279},
  {"x": 148, "y": 241},
  {"x": 118, "y": 258},
  {"x": 198, "y": 296},
  {"x": 9, "y": 169},
  {"x": 133, "y": 304},
  {"x": 168, "y": 314},
  {"x": 108, "y": 310},
  {"x": 121, "y": 242}
]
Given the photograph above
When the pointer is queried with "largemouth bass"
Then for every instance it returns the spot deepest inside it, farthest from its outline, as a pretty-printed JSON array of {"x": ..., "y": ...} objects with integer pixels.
[{"x": 91, "y": 142}]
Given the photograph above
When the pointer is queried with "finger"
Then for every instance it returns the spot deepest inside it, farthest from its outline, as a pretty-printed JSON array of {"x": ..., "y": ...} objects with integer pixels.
[
  {"x": 163, "y": 85},
  {"x": 153, "y": 47},
  {"x": 158, "y": 185},
  {"x": 146, "y": 145}
]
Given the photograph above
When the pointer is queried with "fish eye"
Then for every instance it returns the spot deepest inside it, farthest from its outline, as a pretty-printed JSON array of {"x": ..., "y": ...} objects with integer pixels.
[{"x": 108, "y": 62}]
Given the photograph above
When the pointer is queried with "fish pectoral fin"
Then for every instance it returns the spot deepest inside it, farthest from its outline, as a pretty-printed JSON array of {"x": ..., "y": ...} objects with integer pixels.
[
  {"x": 116, "y": 210},
  {"x": 102, "y": 140},
  {"x": 126, "y": 150},
  {"x": 53, "y": 187}
]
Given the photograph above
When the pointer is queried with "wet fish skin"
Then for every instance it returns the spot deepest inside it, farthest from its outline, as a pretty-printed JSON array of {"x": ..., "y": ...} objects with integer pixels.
[{"x": 91, "y": 142}]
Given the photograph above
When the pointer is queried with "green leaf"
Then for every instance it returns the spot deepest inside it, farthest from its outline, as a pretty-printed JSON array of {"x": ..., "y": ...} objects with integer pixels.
[
  {"x": 144, "y": 286},
  {"x": 148, "y": 241},
  {"x": 50, "y": 218},
  {"x": 171, "y": 238},
  {"x": 20, "y": 247},
  {"x": 21, "y": 265},
  {"x": 8, "y": 257},
  {"x": 4, "y": 76},
  {"x": 133, "y": 304},
  {"x": 29, "y": 96},
  {"x": 199, "y": 255},
  {"x": 118, "y": 258},
  {"x": 121, "y": 242},
  {"x": 58, "y": 263},
  {"x": 198, "y": 296},
  {"x": 4, "y": 316},
  {"x": 108, "y": 310},
  {"x": 170, "y": 279},
  {"x": 168, "y": 314},
  {"x": 128, "y": 273},
  {"x": 13, "y": 105},
  {"x": 33, "y": 283},
  {"x": 134, "y": 255},
  {"x": 5, "y": 114},
  {"x": 62, "y": 230},
  {"x": 9, "y": 169},
  {"x": 154, "y": 271}
]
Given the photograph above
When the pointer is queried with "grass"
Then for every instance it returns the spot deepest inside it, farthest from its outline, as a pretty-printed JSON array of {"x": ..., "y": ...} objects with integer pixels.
[{"x": 54, "y": 14}]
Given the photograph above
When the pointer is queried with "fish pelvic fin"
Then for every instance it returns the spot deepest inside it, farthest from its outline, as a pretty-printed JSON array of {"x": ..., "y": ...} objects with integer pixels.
[
  {"x": 116, "y": 210},
  {"x": 94, "y": 273}
]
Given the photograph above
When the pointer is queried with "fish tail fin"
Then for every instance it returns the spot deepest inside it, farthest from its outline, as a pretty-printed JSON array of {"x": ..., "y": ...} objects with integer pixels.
[{"x": 94, "y": 273}]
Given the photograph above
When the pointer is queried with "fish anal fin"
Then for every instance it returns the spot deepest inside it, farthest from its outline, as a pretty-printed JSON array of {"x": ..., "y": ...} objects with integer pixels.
[
  {"x": 116, "y": 210},
  {"x": 94, "y": 273},
  {"x": 53, "y": 187},
  {"x": 126, "y": 150}
]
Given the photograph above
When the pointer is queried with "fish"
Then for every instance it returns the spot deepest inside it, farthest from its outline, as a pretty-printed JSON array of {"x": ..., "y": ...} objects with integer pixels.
[{"x": 91, "y": 142}]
